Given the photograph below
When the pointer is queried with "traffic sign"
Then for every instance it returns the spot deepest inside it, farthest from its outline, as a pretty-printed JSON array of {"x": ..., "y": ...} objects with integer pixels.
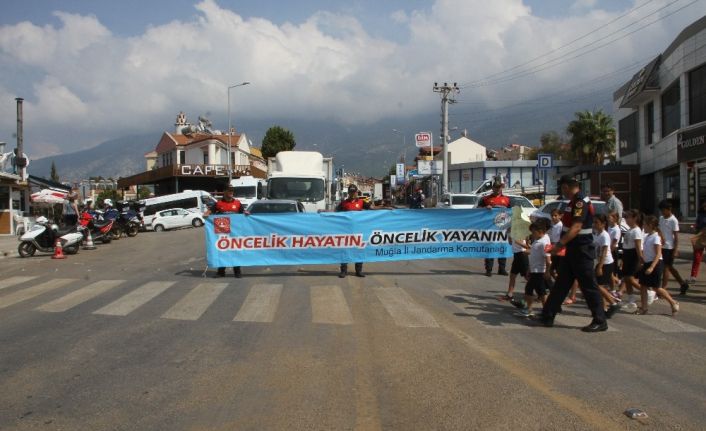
[
  {"x": 423, "y": 139},
  {"x": 545, "y": 161}
]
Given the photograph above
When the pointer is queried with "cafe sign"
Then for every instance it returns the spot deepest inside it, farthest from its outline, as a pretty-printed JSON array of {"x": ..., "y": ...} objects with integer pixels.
[
  {"x": 210, "y": 170},
  {"x": 691, "y": 145}
]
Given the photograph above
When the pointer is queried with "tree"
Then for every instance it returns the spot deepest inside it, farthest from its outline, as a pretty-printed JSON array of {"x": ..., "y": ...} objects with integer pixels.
[
  {"x": 106, "y": 194},
  {"x": 552, "y": 143},
  {"x": 592, "y": 137},
  {"x": 277, "y": 139},
  {"x": 54, "y": 176},
  {"x": 143, "y": 192}
]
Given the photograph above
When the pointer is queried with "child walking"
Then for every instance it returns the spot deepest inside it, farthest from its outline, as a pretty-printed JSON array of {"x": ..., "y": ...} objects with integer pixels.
[
  {"x": 632, "y": 253},
  {"x": 539, "y": 263},
  {"x": 651, "y": 272},
  {"x": 519, "y": 267},
  {"x": 669, "y": 226},
  {"x": 604, "y": 263},
  {"x": 615, "y": 234}
]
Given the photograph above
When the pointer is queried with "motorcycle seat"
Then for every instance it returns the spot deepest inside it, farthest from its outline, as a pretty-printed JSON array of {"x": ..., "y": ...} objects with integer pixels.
[{"x": 100, "y": 224}]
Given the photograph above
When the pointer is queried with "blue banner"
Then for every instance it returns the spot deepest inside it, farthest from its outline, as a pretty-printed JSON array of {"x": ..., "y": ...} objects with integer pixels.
[{"x": 357, "y": 236}]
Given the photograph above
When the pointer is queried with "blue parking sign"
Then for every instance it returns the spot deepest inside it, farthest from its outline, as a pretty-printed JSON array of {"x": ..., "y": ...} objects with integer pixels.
[{"x": 545, "y": 161}]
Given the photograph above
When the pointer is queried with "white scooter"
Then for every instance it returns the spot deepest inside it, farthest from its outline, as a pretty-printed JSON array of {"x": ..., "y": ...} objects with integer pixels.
[{"x": 42, "y": 236}]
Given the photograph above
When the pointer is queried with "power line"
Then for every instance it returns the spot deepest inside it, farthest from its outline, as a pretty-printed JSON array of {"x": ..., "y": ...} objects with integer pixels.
[
  {"x": 548, "y": 64},
  {"x": 563, "y": 46},
  {"x": 562, "y": 92}
]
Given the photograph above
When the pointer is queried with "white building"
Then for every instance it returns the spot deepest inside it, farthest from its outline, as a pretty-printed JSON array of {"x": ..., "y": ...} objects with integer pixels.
[
  {"x": 464, "y": 150},
  {"x": 661, "y": 116}
]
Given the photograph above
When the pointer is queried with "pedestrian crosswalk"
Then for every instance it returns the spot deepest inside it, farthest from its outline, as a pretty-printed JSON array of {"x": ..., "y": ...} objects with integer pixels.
[{"x": 261, "y": 303}]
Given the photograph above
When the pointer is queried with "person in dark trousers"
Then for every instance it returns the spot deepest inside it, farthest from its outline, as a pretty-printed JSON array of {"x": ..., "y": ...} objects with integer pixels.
[
  {"x": 577, "y": 239},
  {"x": 493, "y": 200},
  {"x": 352, "y": 203},
  {"x": 70, "y": 208},
  {"x": 669, "y": 226},
  {"x": 227, "y": 205}
]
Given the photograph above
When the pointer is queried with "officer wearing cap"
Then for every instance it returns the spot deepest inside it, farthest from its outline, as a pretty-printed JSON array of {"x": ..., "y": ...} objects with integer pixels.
[
  {"x": 353, "y": 203},
  {"x": 577, "y": 239},
  {"x": 227, "y": 205},
  {"x": 495, "y": 199}
]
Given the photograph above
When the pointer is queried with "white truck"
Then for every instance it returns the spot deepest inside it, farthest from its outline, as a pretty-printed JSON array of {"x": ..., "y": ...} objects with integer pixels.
[
  {"x": 377, "y": 192},
  {"x": 304, "y": 176},
  {"x": 248, "y": 189}
]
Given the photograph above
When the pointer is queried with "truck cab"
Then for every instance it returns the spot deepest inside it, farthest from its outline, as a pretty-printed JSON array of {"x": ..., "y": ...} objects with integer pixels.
[
  {"x": 304, "y": 176},
  {"x": 248, "y": 189}
]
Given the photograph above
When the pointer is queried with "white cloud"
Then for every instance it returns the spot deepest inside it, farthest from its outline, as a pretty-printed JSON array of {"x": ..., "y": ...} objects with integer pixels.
[
  {"x": 584, "y": 4},
  {"x": 327, "y": 66}
]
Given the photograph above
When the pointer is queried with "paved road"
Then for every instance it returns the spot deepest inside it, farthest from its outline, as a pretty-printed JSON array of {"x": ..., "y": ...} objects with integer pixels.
[{"x": 132, "y": 337}]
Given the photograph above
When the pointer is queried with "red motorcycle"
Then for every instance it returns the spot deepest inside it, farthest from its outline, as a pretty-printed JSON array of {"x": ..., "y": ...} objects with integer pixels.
[{"x": 101, "y": 230}]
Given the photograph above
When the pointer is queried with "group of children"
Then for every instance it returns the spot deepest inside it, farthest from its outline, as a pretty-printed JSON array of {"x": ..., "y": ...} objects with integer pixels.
[{"x": 648, "y": 251}]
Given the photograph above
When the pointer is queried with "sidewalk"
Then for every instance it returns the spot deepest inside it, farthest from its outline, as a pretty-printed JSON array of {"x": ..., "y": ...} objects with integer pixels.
[{"x": 8, "y": 246}]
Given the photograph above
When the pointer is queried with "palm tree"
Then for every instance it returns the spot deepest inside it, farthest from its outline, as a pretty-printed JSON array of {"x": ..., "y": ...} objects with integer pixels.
[{"x": 592, "y": 136}]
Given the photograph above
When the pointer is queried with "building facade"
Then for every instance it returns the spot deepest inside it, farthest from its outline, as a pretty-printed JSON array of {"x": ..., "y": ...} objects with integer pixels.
[
  {"x": 661, "y": 119},
  {"x": 467, "y": 177},
  {"x": 196, "y": 158}
]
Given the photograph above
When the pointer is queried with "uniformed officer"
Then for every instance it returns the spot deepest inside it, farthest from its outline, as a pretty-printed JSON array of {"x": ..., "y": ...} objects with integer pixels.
[
  {"x": 352, "y": 203},
  {"x": 227, "y": 205},
  {"x": 577, "y": 239},
  {"x": 493, "y": 200}
]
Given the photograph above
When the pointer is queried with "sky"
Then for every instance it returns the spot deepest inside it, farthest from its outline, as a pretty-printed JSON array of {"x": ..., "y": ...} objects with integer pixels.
[{"x": 91, "y": 71}]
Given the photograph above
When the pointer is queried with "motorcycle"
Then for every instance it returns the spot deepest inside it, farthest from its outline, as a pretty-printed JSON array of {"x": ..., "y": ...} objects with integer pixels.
[
  {"x": 101, "y": 230},
  {"x": 43, "y": 235},
  {"x": 130, "y": 218}
]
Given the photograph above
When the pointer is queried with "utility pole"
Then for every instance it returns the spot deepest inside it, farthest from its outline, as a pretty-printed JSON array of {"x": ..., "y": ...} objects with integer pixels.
[{"x": 447, "y": 96}]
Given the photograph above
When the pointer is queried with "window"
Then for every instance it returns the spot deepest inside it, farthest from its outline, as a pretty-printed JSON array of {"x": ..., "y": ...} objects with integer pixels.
[
  {"x": 697, "y": 95},
  {"x": 627, "y": 132},
  {"x": 182, "y": 157},
  {"x": 671, "y": 111},
  {"x": 205, "y": 157},
  {"x": 650, "y": 122}
]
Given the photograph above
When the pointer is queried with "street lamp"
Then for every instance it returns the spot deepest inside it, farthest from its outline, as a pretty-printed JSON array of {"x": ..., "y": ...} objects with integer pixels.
[{"x": 230, "y": 149}]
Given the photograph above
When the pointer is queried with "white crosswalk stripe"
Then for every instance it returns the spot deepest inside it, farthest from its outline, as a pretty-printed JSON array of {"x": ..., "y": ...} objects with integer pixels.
[
  {"x": 135, "y": 299},
  {"x": 31, "y": 292},
  {"x": 667, "y": 324},
  {"x": 261, "y": 304},
  {"x": 13, "y": 281},
  {"x": 196, "y": 302},
  {"x": 80, "y": 296},
  {"x": 404, "y": 311},
  {"x": 329, "y": 306},
  {"x": 474, "y": 306}
]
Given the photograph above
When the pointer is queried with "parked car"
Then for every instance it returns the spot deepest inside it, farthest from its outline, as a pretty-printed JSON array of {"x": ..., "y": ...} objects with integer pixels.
[
  {"x": 458, "y": 201},
  {"x": 522, "y": 202},
  {"x": 175, "y": 218},
  {"x": 275, "y": 206}
]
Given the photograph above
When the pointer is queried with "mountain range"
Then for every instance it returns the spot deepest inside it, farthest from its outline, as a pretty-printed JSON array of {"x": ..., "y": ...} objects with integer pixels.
[{"x": 367, "y": 149}]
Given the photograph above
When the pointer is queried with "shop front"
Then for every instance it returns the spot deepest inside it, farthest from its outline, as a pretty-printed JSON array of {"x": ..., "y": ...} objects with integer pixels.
[
  {"x": 177, "y": 178},
  {"x": 691, "y": 152}
]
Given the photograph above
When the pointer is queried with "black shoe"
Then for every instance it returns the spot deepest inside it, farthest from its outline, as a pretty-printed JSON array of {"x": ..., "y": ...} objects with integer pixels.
[
  {"x": 519, "y": 303},
  {"x": 595, "y": 327},
  {"x": 682, "y": 290},
  {"x": 488, "y": 273},
  {"x": 359, "y": 274},
  {"x": 543, "y": 320},
  {"x": 342, "y": 274},
  {"x": 237, "y": 273},
  {"x": 502, "y": 272},
  {"x": 612, "y": 308},
  {"x": 221, "y": 272}
]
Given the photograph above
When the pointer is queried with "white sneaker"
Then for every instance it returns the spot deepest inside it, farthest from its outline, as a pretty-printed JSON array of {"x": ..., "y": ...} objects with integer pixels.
[{"x": 651, "y": 296}]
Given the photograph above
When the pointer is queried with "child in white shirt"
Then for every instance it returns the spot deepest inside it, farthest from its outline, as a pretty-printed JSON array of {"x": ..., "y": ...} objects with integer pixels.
[
  {"x": 539, "y": 263},
  {"x": 651, "y": 272}
]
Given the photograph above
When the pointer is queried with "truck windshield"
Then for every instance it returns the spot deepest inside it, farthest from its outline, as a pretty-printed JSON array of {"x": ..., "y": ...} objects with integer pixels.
[
  {"x": 244, "y": 191},
  {"x": 465, "y": 200},
  {"x": 301, "y": 189}
]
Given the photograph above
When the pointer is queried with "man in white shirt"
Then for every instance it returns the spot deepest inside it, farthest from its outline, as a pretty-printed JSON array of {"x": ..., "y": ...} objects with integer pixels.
[{"x": 669, "y": 226}]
